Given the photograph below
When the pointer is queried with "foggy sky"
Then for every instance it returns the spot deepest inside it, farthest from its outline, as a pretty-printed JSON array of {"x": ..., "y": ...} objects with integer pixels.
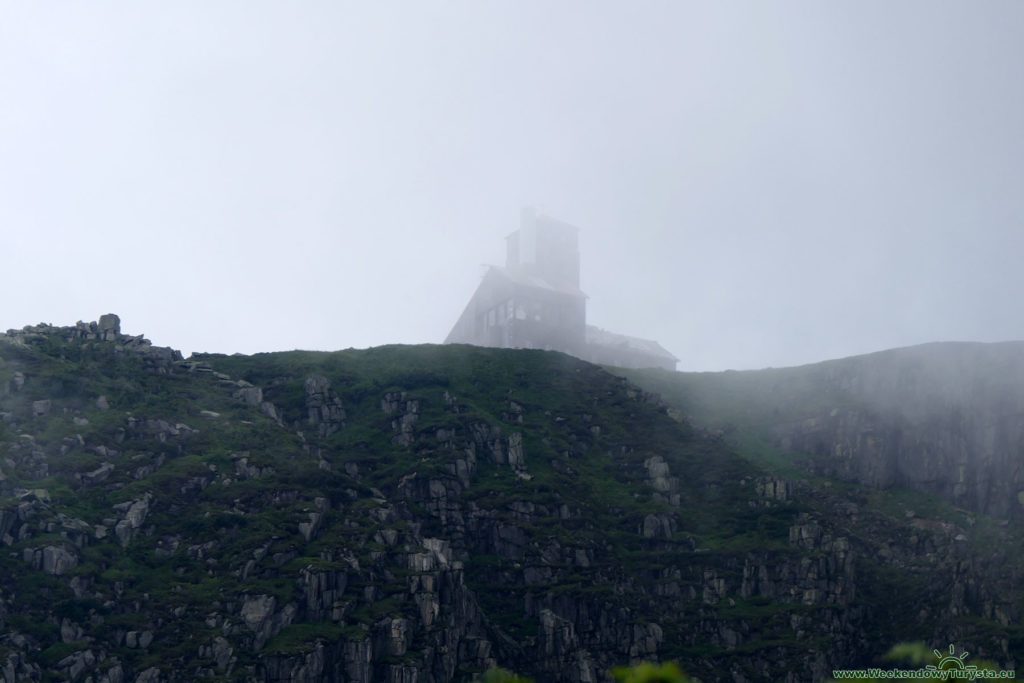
[{"x": 756, "y": 184}]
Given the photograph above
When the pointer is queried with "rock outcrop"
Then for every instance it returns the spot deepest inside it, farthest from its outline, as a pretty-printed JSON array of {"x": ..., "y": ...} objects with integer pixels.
[
  {"x": 420, "y": 514},
  {"x": 943, "y": 418},
  {"x": 324, "y": 410}
]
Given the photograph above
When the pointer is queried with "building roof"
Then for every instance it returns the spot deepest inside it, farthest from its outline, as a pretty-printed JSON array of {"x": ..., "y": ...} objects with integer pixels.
[
  {"x": 525, "y": 278},
  {"x": 599, "y": 337}
]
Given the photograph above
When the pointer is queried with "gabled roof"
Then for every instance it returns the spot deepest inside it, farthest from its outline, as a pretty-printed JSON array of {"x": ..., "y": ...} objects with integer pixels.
[
  {"x": 599, "y": 337},
  {"x": 524, "y": 278}
]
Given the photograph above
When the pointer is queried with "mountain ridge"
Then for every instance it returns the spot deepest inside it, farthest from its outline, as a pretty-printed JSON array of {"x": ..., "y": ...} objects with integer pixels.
[
  {"x": 420, "y": 513},
  {"x": 944, "y": 418}
]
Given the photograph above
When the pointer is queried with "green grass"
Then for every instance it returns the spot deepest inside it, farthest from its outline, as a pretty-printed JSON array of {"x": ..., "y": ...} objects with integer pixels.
[
  {"x": 297, "y": 638},
  {"x": 251, "y": 526}
]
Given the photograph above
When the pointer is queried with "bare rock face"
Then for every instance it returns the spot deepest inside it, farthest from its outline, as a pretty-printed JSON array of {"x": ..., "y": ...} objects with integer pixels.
[
  {"x": 666, "y": 486},
  {"x": 109, "y": 327},
  {"x": 259, "y": 614},
  {"x": 941, "y": 418},
  {"x": 251, "y": 395},
  {"x": 134, "y": 515},
  {"x": 406, "y": 414},
  {"x": 323, "y": 406},
  {"x": 516, "y": 456},
  {"x": 40, "y": 408},
  {"x": 256, "y": 610},
  {"x": 52, "y": 560},
  {"x": 57, "y": 561}
]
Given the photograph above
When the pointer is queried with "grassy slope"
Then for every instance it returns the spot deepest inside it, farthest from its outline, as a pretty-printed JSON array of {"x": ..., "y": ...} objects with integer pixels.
[
  {"x": 563, "y": 403},
  {"x": 598, "y": 474},
  {"x": 741, "y": 408}
]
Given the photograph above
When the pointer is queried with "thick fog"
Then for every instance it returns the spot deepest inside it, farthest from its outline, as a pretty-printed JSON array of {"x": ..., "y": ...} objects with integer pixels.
[{"x": 755, "y": 184}]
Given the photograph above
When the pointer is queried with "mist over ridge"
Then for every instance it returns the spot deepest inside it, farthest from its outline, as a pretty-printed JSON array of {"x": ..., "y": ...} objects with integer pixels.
[{"x": 755, "y": 187}]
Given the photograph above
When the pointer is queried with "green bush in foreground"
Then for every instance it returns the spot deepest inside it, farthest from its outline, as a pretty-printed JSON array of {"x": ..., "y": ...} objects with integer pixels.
[
  {"x": 641, "y": 673},
  {"x": 650, "y": 673},
  {"x": 917, "y": 656},
  {"x": 497, "y": 675}
]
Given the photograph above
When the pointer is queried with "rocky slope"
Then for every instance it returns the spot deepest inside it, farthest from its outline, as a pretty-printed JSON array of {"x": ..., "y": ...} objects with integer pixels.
[
  {"x": 945, "y": 418},
  {"x": 422, "y": 513}
]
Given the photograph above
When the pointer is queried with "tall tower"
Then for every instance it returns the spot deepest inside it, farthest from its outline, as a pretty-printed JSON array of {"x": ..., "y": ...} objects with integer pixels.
[
  {"x": 545, "y": 248},
  {"x": 535, "y": 302}
]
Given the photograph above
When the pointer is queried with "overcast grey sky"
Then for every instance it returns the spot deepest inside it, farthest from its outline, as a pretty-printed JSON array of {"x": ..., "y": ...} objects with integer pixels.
[{"x": 756, "y": 183}]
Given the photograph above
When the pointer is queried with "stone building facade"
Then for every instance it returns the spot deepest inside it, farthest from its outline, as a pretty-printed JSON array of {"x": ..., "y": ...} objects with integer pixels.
[{"x": 535, "y": 302}]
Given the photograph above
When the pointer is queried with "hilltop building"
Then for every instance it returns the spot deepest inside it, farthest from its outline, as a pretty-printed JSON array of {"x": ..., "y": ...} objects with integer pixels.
[{"x": 535, "y": 302}]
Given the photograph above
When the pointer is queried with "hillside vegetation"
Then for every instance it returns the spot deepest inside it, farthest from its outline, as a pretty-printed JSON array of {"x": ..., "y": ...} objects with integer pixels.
[
  {"x": 426, "y": 513},
  {"x": 945, "y": 419}
]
